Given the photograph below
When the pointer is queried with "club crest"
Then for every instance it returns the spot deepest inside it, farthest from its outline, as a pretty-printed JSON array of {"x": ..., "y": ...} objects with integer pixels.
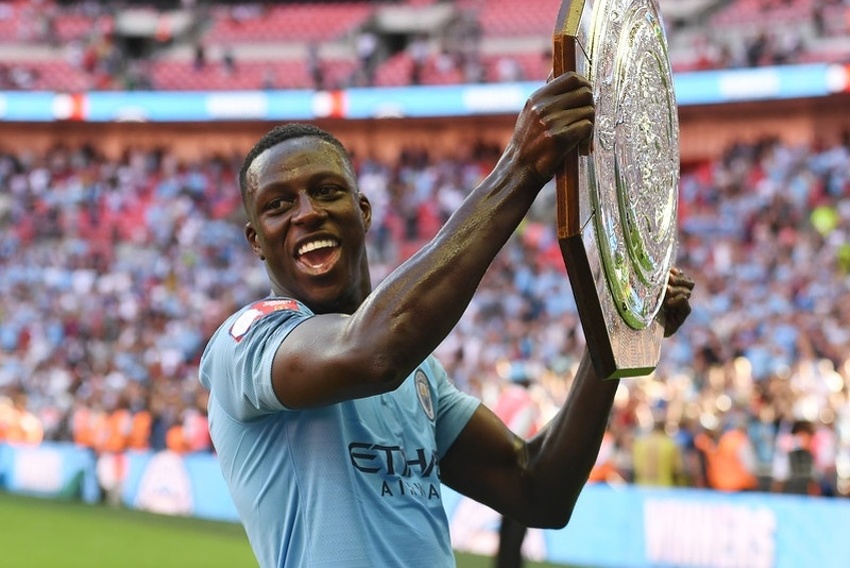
[{"x": 424, "y": 393}]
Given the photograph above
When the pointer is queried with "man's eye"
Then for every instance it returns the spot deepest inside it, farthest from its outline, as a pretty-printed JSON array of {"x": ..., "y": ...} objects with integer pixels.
[
  {"x": 279, "y": 204},
  {"x": 327, "y": 191}
]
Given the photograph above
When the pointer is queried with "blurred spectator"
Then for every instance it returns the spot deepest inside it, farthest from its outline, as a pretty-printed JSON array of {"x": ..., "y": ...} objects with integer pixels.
[
  {"x": 419, "y": 52},
  {"x": 730, "y": 459},
  {"x": 199, "y": 59},
  {"x": 366, "y": 46},
  {"x": 269, "y": 78},
  {"x": 508, "y": 69},
  {"x": 657, "y": 458},
  {"x": 18, "y": 425},
  {"x": 314, "y": 66},
  {"x": 191, "y": 432},
  {"x": 228, "y": 60},
  {"x": 113, "y": 434},
  {"x": 794, "y": 464}
]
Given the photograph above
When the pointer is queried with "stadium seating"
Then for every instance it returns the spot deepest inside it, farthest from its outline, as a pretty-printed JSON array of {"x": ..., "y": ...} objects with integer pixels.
[
  {"x": 290, "y": 23},
  {"x": 42, "y": 42},
  {"x": 128, "y": 238}
]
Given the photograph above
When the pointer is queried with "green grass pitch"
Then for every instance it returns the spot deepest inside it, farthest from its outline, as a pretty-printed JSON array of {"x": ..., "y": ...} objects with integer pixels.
[{"x": 41, "y": 533}]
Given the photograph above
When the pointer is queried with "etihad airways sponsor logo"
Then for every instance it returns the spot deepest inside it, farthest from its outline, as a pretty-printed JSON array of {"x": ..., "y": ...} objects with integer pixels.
[{"x": 400, "y": 472}]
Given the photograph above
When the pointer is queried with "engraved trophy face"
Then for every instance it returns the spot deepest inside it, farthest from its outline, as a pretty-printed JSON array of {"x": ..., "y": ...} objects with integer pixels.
[
  {"x": 633, "y": 174},
  {"x": 627, "y": 188}
]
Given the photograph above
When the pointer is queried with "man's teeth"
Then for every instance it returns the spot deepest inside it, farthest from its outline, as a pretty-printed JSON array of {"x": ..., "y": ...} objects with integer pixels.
[{"x": 311, "y": 246}]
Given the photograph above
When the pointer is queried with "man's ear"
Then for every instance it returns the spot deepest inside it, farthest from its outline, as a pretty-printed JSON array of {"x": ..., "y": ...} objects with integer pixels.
[
  {"x": 251, "y": 236},
  {"x": 365, "y": 210}
]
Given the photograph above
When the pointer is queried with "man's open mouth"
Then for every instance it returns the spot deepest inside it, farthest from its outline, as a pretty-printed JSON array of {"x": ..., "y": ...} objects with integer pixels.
[{"x": 318, "y": 255}]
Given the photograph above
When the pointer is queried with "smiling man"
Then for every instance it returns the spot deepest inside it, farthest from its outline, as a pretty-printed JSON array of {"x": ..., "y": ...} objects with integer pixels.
[{"x": 334, "y": 424}]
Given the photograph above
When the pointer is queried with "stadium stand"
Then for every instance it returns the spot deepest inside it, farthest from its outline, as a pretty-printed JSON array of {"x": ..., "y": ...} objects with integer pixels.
[
  {"x": 286, "y": 23},
  {"x": 117, "y": 270},
  {"x": 308, "y": 45}
]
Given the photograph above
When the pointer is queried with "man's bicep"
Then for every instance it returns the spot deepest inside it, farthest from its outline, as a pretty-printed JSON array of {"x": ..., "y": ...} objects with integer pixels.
[
  {"x": 318, "y": 363},
  {"x": 485, "y": 462}
]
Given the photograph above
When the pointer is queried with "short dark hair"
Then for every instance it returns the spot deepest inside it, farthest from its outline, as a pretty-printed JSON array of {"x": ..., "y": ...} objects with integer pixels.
[
  {"x": 802, "y": 427},
  {"x": 281, "y": 133}
]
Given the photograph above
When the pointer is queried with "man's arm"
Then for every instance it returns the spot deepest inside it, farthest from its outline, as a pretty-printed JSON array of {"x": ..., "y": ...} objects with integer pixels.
[
  {"x": 538, "y": 482},
  {"x": 330, "y": 358}
]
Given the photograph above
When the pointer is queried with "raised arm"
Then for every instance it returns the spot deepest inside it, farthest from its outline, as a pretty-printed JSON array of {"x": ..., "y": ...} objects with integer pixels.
[
  {"x": 538, "y": 482},
  {"x": 333, "y": 357}
]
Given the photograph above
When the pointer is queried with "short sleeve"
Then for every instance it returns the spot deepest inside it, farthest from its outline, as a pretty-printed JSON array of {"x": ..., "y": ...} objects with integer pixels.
[
  {"x": 454, "y": 408},
  {"x": 237, "y": 363}
]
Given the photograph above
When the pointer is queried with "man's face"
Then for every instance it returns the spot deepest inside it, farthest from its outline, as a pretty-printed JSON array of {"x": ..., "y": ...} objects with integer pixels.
[{"x": 308, "y": 221}]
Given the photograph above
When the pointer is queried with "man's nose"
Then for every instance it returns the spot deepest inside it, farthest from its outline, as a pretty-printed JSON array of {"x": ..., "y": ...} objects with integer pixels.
[{"x": 307, "y": 209}]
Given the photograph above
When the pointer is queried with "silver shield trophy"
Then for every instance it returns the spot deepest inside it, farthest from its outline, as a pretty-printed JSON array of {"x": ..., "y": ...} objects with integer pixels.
[{"x": 617, "y": 207}]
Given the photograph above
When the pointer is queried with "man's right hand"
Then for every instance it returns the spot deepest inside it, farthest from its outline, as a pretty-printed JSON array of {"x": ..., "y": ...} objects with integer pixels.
[
  {"x": 557, "y": 117},
  {"x": 677, "y": 306}
]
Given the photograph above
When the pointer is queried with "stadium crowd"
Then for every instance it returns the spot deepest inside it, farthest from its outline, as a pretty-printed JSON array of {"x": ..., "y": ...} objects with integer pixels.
[
  {"x": 78, "y": 46},
  {"x": 116, "y": 272}
]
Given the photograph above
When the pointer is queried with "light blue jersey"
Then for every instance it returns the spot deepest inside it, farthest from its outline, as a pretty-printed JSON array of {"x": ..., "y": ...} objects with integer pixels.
[{"x": 354, "y": 484}]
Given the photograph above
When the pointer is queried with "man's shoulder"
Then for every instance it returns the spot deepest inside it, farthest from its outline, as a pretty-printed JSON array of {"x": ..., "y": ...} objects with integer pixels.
[
  {"x": 238, "y": 357},
  {"x": 240, "y": 323},
  {"x": 235, "y": 330}
]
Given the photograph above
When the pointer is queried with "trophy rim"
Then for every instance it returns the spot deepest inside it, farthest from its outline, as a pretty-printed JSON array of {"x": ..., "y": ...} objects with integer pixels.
[{"x": 622, "y": 343}]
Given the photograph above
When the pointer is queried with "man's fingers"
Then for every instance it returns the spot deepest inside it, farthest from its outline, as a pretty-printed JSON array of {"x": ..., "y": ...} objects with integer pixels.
[
  {"x": 676, "y": 296},
  {"x": 556, "y": 119},
  {"x": 678, "y": 278},
  {"x": 682, "y": 282},
  {"x": 566, "y": 83},
  {"x": 677, "y": 306}
]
